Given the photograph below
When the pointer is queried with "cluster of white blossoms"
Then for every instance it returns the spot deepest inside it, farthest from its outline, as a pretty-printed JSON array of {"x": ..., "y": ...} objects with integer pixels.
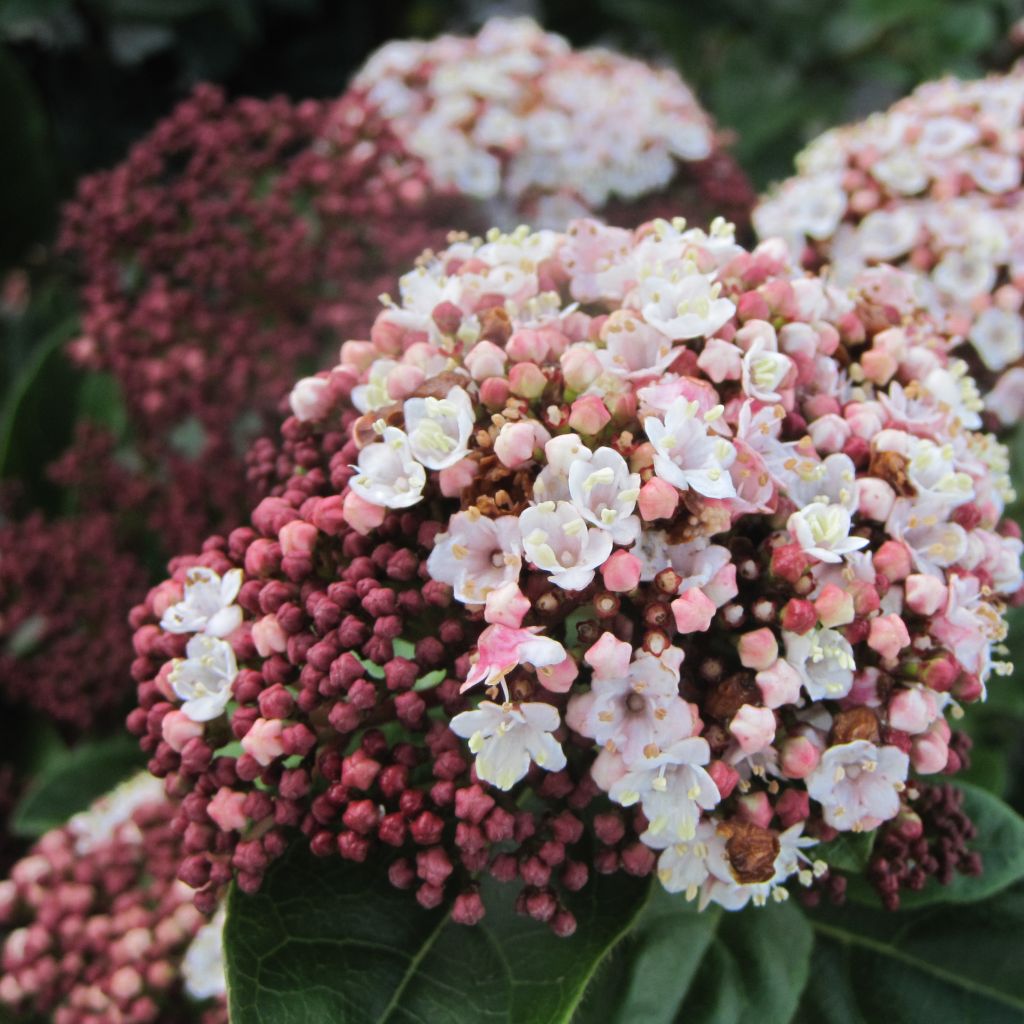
[
  {"x": 515, "y": 116},
  {"x": 207, "y": 610},
  {"x": 729, "y": 526},
  {"x": 933, "y": 185}
]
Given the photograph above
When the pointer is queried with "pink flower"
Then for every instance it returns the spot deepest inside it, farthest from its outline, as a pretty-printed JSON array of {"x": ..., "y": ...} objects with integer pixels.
[
  {"x": 298, "y": 538},
  {"x": 310, "y": 399},
  {"x": 925, "y": 595},
  {"x": 362, "y": 515},
  {"x": 268, "y": 636},
  {"x": 633, "y": 707},
  {"x": 799, "y": 756},
  {"x": 178, "y": 729},
  {"x": 834, "y": 606},
  {"x": 506, "y": 605},
  {"x": 502, "y": 648},
  {"x": 580, "y": 367},
  {"x": 226, "y": 810},
  {"x": 779, "y": 684},
  {"x": 912, "y": 710},
  {"x": 658, "y": 499}
]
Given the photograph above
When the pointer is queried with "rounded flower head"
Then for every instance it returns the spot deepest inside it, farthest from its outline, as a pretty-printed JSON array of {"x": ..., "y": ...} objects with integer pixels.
[
  {"x": 932, "y": 185},
  {"x": 644, "y": 618}
]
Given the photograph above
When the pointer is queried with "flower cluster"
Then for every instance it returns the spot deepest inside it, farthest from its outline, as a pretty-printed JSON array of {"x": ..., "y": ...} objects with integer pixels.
[
  {"x": 514, "y": 117},
  {"x": 717, "y": 544},
  {"x": 65, "y": 645},
  {"x": 96, "y": 927},
  {"x": 933, "y": 185}
]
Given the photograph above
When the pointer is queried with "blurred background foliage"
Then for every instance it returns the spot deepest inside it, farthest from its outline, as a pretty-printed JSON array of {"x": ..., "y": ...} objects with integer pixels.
[{"x": 81, "y": 79}]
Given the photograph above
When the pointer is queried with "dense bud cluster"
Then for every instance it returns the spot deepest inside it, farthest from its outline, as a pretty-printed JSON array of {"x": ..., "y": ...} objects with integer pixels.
[
  {"x": 65, "y": 645},
  {"x": 934, "y": 185},
  {"x": 719, "y": 587},
  {"x": 541, "y": 133},
  {"x": 96, "y": 928}
]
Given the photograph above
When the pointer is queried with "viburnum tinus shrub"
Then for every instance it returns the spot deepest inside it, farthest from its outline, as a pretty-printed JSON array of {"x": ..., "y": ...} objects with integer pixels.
[
  {"x": 97, "y": 928},
  {"x": 515, "y": 118},
  {"x": 932, "y": 185},
  {"x": 602, "y": 553}
]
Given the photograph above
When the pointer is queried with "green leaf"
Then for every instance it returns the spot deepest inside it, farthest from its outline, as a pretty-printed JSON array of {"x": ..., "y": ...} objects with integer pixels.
[
  {"x": 772, "y": 947},
  {"x": 1000, "y": 841},
  {"x": 928, "y": 965},
  {"x": 331, "y": 941},
  {"x": 848, "y": 852},
  {"x": 649, "y": 974},
  {"x": 716, "y": 996},
  {"x": 72, "y": 780}
]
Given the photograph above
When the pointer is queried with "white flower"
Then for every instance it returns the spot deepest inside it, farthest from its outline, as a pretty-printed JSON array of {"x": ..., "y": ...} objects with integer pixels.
[
  {"x": 682, "y": 867},
  {"x": 203, "y": 679},
  {"x": 684, "y": 305},
  {"x": 374, "y": 393},
  {"x": 605, "y": 492},
  {"x": 93, "y": 827},
  {"x": 931, "y": 469},
  {"x": 502, "y": 648},
  {"x": 562, "y": 453},
  {"x": 439, "y": 428},
  {"x": 507, "y": 737},
  {"x": 858, "y": 784},
  {"x": 933, "y": 541},
  {"x": 998, "y": 337},
  {"x": 387, "y": 473},
  {"x": 823, "y": 658},
  {"x": 476, "y": 555},
  {"x": 903, "y": 172},
  {"x": 832, "y": 481},
  {"x": 763, "y": 371},
  {"x": 202, "y": 967},
  {"x": 208, "y": 605},
  {"x": 888, "y": 234},
  {"x": 965, "y": 275},
  {"x": 672, "y": 789},
  {"x": 557, "y": 540},
  {"x": 824, "y": 531},
  {"x": 687, "y": 455}
]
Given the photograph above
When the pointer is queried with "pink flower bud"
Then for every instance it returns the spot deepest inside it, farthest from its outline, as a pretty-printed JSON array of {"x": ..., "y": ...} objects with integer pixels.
[
  {"x": 829, "y": 433},
  {"x": 913, "y": 710},
  {"x": 403, "y": 380},
  {"x": 893, "y": 561},
  {"x": 798, "y": 616},
  {"x": 779, "y": 684},
  {"x": 516, "y": 442},
  {"x": 358, "y": 355},
  {"x": 527, "y": 346},
  {"x": 793, "y": 807},
  {"x": 589, "y": 415},
  {"x": 755, "y": 808},
  {"x": 177, "y": 729},
  {"x": 559, "y": 678},
  {"x": 165, "y": 594},
  {"x": 940, "y": 673},
  {"x": 622, "y": 405},
  {"x": 455, "y": 479},
  {"x": 485, "y": 359},
  {"x": 580, "y": 367},
  {"x": 362, "y": 515},
  {"x": 298, "y": 538},
  {"x": 834, "y": 606},
  {"x": 721, "y": 360},
  {"x": 799, "y": 757},
  {"x": 758, "y": 649},
  {"x": 621, "y": 572},
  {"x": 269, "y": 637},
  {"x": 658, "y": 499},
  {"x": 507, "y": 606},
  {"x": 494, "y": 392},
  {"x": 925, "y": 594},
  {"x": 226, "y": 810},
  {"x": 693, "y": 611},
  {"x": 875, "y": 498},
  {"x": 888, "y": 635},
  {"x": 879, "y": 366},
  {"x": 724, "y": 776},
  {"x": 263, "y": 740},
  {"x": 929, "y": 752},
  {"x": 753, "y": 728},
  {"x": 309, "y": 399},
  {"x": 527, "y": 380}
]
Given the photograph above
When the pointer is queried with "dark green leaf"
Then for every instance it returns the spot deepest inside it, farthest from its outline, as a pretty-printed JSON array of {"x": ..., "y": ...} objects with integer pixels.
[
  {"x": 330, "y": 941},
  {"x": 717, "y": 993},
  {"x": 849, "y": 852},
  {"x": 72, "y": 780},
  {"x": 772, "y": 947},
  {"x": 928, "y": 965}
]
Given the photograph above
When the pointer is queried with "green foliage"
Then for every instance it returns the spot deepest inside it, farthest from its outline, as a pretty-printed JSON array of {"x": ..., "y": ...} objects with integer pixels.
[{"x": 71, "y": 780}]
